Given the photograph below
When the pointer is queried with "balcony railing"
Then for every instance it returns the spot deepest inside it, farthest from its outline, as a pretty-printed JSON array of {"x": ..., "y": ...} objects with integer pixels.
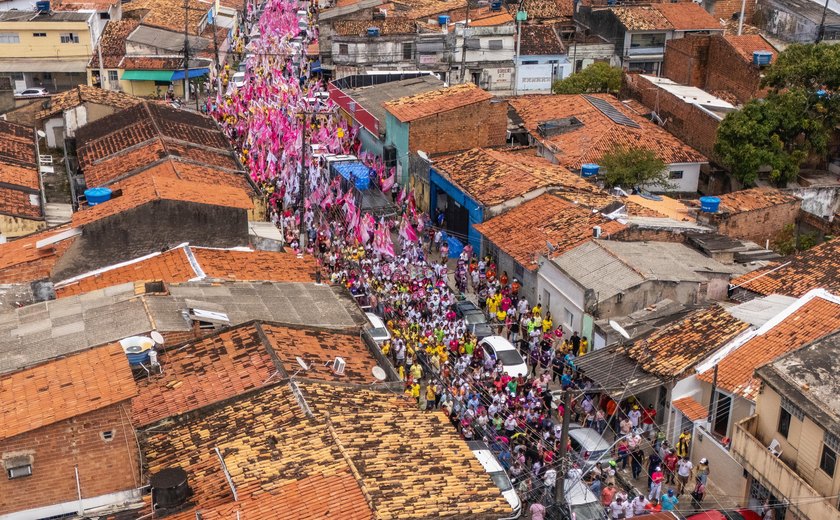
[{"x": 774, "y": 474}]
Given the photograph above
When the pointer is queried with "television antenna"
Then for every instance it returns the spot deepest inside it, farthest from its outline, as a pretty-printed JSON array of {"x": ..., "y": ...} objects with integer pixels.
[{"x": 618, "y": 328}]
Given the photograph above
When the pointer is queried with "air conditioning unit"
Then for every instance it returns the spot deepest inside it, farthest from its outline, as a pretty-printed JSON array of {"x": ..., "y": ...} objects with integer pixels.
[
  {"x": 338, "y": 366},
  {"x": 596, "y": 232}
]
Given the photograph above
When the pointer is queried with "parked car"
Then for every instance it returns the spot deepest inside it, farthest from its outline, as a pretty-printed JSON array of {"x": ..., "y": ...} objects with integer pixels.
[
  {"x": 740, "y": 514},
  {"x": 501, "y": 349},
  {"x": 498, "y": 475},
  {"x": 581, "y": 502},
  {"x": 475, "y": 319},
  {"x": 588, "y": 447},
  {"x": 32, "y": 92},
  {"x": 379, "y": 332}
]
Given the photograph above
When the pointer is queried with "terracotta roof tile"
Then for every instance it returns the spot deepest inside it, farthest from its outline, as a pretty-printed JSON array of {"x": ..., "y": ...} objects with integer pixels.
[
  {"x": 64, "y": 388},
  {"x": 597, "y": 134},
  {"x": 112, "y": 42},
  {"x": 753, "y": 199},
  {"x": 113, "y": 167},
  {"x": 641, "y": 18},
  {"x": 141, "y": 189},
  {"x": 176, "y": 266},
  {"x": 540, "y": 40},
  {"x": 84, "y": 94},
  {"x": 17, "y": 145},
  {"x": 386, "y": 27},
  {"x": 14, "y": 175},
  {"x": 491, "y": 19},
  {"x": 816, "y": 318},
  {"x": 600, "y": 201},
  {"x": 523, "y": 231},
  {"x": 22, "y": 262},
  {"x": 746, "y": 44},
  {"x": 544, "y": 9},
  {"x": 418, "y": 9},
  {"x": 492, "y": 177},
  {"x": 687, "y": 16},
  {"x": 20, "y": 203},
  {"x": 670, "y": 351},
  {"x": 158, "y": 13},
  {"x": 816, "y": 267},
  {"x": 691, "y": 409},
  {"x": 409, "y": 108},
  {"x": 151, "y": 63},
  {"x": 203, "y": 372}
]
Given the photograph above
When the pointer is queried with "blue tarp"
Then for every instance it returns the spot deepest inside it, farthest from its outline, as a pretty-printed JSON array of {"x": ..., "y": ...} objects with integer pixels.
[
  {"x": 356, "y": 172},
  {"x": 194, "y": 73},
  {"x": 455, "y": 247},
  {"x": 316, "y": 66}
]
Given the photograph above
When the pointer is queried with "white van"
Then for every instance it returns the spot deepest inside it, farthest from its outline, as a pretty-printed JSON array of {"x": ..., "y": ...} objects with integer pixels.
[
  {"x": 502, "y": 349},
  {"x": 379, "y": 332},
  {"x": 497, "y": 474}
]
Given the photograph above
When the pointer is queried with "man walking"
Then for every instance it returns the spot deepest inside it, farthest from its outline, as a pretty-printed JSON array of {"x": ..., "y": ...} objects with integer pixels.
[{"x": 684, "y": 468}]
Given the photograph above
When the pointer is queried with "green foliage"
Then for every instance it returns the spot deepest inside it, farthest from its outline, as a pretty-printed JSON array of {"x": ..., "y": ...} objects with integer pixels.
[
  {"x": 634, "y": 167},
  {"x": 788, "y": 241},
  {"x": 596, "y": 78},
  {"x": 776, "y": 133},
  {"x": 793, "y": 122},
  {"x": 807, "y": 66}
]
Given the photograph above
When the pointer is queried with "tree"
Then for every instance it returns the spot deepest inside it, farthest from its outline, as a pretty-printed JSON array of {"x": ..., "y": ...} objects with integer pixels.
[
  {"x": 807, "y": 66},
  {"x": 596, "y": 78},
  {"x": 634, "y": 167},
  {"x": 777, "y": 133}
]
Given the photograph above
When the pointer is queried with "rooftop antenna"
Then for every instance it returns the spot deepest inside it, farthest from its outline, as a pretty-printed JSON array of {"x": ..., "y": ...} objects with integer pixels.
[
  {"x": 379, "y": 374},
  {"x": 304, "y": 366},
  {"x": 618, "y": 328},
  {"x": 157, "y": 337}
]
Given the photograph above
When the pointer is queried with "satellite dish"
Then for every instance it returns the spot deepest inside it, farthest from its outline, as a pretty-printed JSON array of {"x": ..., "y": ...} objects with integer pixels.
[
  {"x": 157, "y": 337},
  {"x": 379, "y": 373},
  {"x": 618, "y": 328},
  {"x": 303, "y": 364},
  {"x": 41, "y": 134}
]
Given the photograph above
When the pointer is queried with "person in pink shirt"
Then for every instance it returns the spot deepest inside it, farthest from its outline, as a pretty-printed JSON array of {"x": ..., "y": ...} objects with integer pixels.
[{"x": 537, "y": 511}]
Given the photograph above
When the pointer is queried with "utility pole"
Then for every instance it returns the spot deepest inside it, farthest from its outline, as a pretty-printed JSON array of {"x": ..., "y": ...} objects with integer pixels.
[
  {"x": 821, "y": 32},
  {"x": 560, "y": 488},
  {"x": 302, "y": 181},
  {"x": 464, "y": 46},
  {"x": 186, "y": 50},
  {"x": 520, "y": 15}
]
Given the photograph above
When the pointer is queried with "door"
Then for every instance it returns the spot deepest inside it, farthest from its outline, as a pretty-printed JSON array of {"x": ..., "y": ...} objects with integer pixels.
[
  {"x": 723, "y": 406},
  {"x": 457, "y": 220},
  {"x": 20, "y": 81}
]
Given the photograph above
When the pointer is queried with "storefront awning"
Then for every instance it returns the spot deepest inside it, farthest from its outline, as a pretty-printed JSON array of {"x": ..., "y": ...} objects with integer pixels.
[
  {"x": 46, "y": 65},
  {"x": 147, "y": 75},
  {"x": 194, "y": 73}
]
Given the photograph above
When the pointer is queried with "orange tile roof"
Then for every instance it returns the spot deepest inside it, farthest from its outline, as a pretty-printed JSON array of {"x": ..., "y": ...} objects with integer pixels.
[
  {"x": 19, "y": 203},
  {"x": 753, "y": 199},
  {"x": 491, "y": 19},
  {"x": 492, "y": 177},
  {"x": 816, "y": 267},
  {"x": 175, "y": 266},
  {"x": 319, "y": 347},
  {"x": 142, "y": 189},
  {"x": 746, "y": 44},
  {"x": 22, "y": 262},
  {"x": 387, "y": 26},
  {"x": 641, "y": 18},
  {"x": 670, "y": 351},
  {"x": 15, "y": 175},
  {"x": 598, "y": 134},
  {"x": 816, "y": 318},
  {"x": 419, "y": 9},
  {"x": 17, "y": 144},
  {"x": 523, "y": 231},
  {"x": 690, "y": 408},
  {"x": 64, "y": 388},
  {"x": 544, "y": 9},
  {"x": 600, "y": 200},
  {"x": 158, "y": 13},
  {"x": 84, "y": 94},
  {"x": 203, "y": 372},
  {"x": 687, "y": 16},
  {"x": 112, "y": 42},
  {"x": 409, "y": 108}
]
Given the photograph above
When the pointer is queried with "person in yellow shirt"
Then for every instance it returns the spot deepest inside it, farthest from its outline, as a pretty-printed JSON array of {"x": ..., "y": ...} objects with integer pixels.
[
  {"x": 430, "y": 396},
  {"x": 584, "y": 346},
  {"x": 547, "y": 324},
  {"x": 416, "y": 371},
  {"x": 537, "y": 310}
]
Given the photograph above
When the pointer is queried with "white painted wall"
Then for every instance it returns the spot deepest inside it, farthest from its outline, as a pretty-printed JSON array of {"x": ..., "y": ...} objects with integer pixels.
[
  {"x": 49, "y": 128},
  {"x": 74, "y": 119},
  {"x": 563, "y": 294}
]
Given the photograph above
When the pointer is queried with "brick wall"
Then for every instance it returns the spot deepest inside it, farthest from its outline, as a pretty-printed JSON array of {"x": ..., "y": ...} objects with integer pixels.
[
  {"x": 727, "y": 8},
  {"x": 692, "y": 125},
  {"x": 639, "y": 234},
  {"x": 477, "y": 125},
  {"x": 729, "y": 72},
  {"x": 104, "y": 466},
  {"x": 686, "y": 60},
  {"x": 758, "y": 226}
]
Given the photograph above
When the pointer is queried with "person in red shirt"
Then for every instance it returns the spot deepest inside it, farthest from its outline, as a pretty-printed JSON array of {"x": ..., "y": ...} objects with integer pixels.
[
  {"x": 670, "y": 466},
  {"x": 607, "y": 494},
  {"x": 648, "y": 420},
  {"x": 654, "y": 506}
]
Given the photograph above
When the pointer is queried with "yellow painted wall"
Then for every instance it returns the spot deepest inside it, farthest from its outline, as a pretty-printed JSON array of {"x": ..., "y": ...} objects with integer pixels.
[
  {"x": 48, "y": 46},
  {"x": 139, "y": 88}
]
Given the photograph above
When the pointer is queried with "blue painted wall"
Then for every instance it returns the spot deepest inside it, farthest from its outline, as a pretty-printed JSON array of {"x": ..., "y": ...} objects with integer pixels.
[
  {"x": 396, "y": 133},
  {"x": 476, "y": 212}
]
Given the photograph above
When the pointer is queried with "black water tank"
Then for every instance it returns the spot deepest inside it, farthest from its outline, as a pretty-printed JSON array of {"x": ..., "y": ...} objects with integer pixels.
[{"x": 170, "y": 488}]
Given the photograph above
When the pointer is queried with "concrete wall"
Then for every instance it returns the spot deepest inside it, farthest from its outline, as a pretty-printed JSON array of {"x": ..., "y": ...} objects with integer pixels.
[
  {"x": 759, "y": 225},
  {"x": 821, "y": 201},
  {"x": 563, "y": 294},
  {"x": 104, "y": 466},
  {"x": 724, "y": 471}
]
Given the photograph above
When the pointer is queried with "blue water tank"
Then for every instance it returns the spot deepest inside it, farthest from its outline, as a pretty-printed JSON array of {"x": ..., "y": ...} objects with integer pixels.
[
  {"x": 589, "y": 170},
  {"x": 373, "y": 31},
  {"x": 762, "y": 58},
  {"x": 709, "y": 204},
  {"x": 138, "y": 358},
  {"x": 443, "y": 20},
  {"x": 496, "y": 5},
  {"x": 821, "y": 94},
  {"x": 42, "y": 6},
  {"x": 96, "y": 196}
]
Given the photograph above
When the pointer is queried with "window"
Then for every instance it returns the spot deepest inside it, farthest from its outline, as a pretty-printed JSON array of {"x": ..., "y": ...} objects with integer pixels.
[
  {"x": 646, "y": 40},
  {"x": 19, "y": 471},
  {"x": 828, "y": 460},
  {"x": 47, "y": 76},
  {"x": 342, "y": 49},
  {"x": 408, "y": 51},
  {"x": 9, "y": 38},
  {"x": 495, "y": 45},
  {"x": 17, "y": 76},
  {"x": 569, "y": 317},
  {"x": 676, "y": 174},
  {"x": 530, "y": 62},
  {"x": 107, "y": 435},
  {"x": 473, "y": 44},
  {"x": 69, "y": 38},
  {"x": 112, "y": 76},
  {"x": 784, "y": 422},
  {"x": 104, "y": 16},
  {"x": 39, "y": 35}
]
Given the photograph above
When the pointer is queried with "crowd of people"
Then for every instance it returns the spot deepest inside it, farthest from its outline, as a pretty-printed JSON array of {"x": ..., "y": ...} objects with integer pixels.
[{"x": 273, "y": 118}]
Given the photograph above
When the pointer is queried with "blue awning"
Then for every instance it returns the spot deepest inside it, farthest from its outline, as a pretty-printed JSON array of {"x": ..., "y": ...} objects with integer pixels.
[
  {"x": 194, "y": 73},
  {"x": 316, "y": 66}
]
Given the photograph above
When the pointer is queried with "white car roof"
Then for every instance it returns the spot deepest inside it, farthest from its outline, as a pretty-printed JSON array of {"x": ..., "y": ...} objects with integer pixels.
[
  {"x": 498, "y": 343},
  {"x": 488, "y": 461},
  {"x": 578, "y": 493},
  {"x": 375, "y": 320},
  {"x": 590, "y": 439}
]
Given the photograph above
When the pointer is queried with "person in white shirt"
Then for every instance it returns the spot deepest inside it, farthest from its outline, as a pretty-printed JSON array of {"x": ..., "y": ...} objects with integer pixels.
[
  {"x": 618, "y": 509},
  {"x": 550, "y": 479},
  {"x": 635, "y": 414},
  {"x": 638, "y": 505},
  {"x": 684, "y": 467}
]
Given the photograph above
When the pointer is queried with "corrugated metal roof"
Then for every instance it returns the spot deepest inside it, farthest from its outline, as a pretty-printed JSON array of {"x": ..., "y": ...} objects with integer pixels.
[
  {"x": 612, "y": 370},
  {"x": 596, "y": 269},
  {"x": 665, "y": 260},
  {"x": 759, "y": 311}
]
